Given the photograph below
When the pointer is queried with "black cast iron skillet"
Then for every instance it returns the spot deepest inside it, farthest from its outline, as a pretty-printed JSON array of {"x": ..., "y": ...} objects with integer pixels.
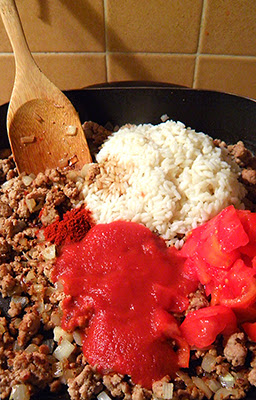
[{"x": 220, "y": 115}]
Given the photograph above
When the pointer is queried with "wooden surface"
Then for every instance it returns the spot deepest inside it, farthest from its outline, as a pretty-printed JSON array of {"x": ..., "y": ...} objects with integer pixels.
[{"x": 39, "y": 110}]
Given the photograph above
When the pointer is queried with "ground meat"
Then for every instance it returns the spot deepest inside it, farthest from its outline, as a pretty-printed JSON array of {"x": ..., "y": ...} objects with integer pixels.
[
  {"x": 5, "y": 384},
  {"x": 198, "y": 300},
  {"x": 41, "y": 181},
  {"x": 70, "y": 190},
  {"x": 5, "y": 249},
  {"x": 85, "y": 385},
  {"x": 29, "y": 326},
  {"x": 48, "y": 215},
  {"x": 247, "y": 162},
  {"x": 252, "y": 377},
  {"x": 33, "y": 368},
  {"x": 26, "y": 352},
  {"x": 139, "y": 393},
  {"x": 92, "y": 172},
  {"x": 95, "y": 135},
  {"x": 7, "y": 285},
  {"x": 5, "y": 210},
  {"x": 117, "y": 386},
  {"x": 7, "y": 169},
  {"x": 240, "y": 153},
  {"x": 15, "y": 309},
  {"x": 235, "y": 350},
  {"x": 249, "y": 176}
]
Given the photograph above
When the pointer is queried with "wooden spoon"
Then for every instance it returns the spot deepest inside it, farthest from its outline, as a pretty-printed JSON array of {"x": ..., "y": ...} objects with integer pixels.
[{"x": 43, "y": 127}]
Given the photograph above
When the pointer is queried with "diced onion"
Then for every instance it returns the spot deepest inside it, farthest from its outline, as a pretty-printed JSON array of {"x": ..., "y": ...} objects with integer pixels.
[
  {"x": 7, "y": 184},
  {"x": 31, "y": 204},
  {"x": 78, "y": 338},
  {"x": 40, "y": 236},
  {"x": 49, "y": 253},
  {"x": 20, "y": 392},
  {"x": 31, "y": 348},
  {"x": 58, "y": 369},
  {"x": 167, "y": 391},
  {"x": 103, "y": 396},
  {"x": 208, "y": 362},
  {"x": 213, "y": 385},
  {"x": 30, "y": 276},
  {"x": 64, "y": 350},
  {"x": 227, "y": 380},
  {"x": 164, "y": 118},
  {"x": 71, "y": 130},
  {"x": 185, "y": 378},
  {"x": 27, "y": 180},
  {"x": 63, "y": 162},
  {"x": 55, "y": 319},
  {"x": 50, "y": 344},
  {"x": 59, "y": 333},
  {"x": 85, "y": 169},
  {"x": 225, "y": 393},
  {"x": 38, "y": 288},
  {"x": 23, "y": 301},
  {"x": 40, "y": 306},
  {"x": 72, "y": 175},
  {"x": 27, "y": 139},
  {"x": 202, "y": 386}
]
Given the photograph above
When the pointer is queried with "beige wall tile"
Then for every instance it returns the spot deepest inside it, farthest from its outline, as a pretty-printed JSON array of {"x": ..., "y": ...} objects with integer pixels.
[
  {"x": 60, "y": 25},
  {"x": 229, "y": 27},
  {"x": 6, "y": 77},
  {"x": 175, "y": 69},
  {"x": 153, "y": 26},
  {"x": 67, "y": 71},
  {"x": 229, "y": 74}
]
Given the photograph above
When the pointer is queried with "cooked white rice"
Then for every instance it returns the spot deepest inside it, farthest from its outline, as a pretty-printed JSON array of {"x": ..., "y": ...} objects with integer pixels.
[{"x": 167, "y": 177}]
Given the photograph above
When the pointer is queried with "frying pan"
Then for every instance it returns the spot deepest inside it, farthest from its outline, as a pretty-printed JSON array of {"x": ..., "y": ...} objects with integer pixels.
[{"x": 221, "y": 115}]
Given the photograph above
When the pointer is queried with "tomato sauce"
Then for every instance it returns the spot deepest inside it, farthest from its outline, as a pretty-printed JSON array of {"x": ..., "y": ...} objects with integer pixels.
[{"x": 116, "y": 280}]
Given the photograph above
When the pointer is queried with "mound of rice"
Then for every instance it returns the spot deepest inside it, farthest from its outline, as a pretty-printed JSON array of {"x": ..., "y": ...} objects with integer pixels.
[{"x": 167, "y": 177}]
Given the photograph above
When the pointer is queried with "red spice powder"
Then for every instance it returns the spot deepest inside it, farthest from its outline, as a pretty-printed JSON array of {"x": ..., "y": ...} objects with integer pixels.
[{"x": 72, "y": 228}]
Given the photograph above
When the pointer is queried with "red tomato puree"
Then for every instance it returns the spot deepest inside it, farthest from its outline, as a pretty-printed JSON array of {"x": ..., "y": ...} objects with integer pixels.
[{"x": 119, "y": 280}]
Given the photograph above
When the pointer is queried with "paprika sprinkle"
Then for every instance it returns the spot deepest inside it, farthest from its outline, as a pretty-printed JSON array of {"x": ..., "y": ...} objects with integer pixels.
[{"x": 72, "y": 228}]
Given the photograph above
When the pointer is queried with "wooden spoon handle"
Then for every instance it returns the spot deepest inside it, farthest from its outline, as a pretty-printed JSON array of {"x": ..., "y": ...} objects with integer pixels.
[{"x": 14, "y": 29}]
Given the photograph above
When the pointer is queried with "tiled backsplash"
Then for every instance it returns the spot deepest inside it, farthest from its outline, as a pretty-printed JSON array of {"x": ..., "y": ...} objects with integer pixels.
[{"x": 209, "y": 44}]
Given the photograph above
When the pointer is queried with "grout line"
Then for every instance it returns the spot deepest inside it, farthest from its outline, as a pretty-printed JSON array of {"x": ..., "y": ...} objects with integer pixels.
[
  {"x": 199, "y": 42},
  {"x": 63, "y": 53},
  {"x": 106, "y": 39}
]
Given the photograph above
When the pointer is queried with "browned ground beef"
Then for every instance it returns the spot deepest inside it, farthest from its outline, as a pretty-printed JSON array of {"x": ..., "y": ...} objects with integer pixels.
[{"x": 26, "y": 344}]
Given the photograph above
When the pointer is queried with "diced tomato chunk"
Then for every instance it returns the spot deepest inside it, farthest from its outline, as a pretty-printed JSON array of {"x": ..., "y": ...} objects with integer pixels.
[
  {"x": 238, "y": 289},
  {"x": 248, "y": 220},
  {"x": 250, "y": 330},
  {"x": 201, "y": 327},
  {"x": 212, "y": 252},
  {"x": 217, "y": 242},
  {"x": 221, "y": 254},
  {"x": 231, "y": 233},
  {"x": 247, "y": 314},
  {"x": 249, "y": 249}
]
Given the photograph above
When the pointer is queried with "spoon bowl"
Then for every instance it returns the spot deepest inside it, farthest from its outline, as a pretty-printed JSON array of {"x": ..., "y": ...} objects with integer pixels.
[{"x": 44, "y": 129}]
